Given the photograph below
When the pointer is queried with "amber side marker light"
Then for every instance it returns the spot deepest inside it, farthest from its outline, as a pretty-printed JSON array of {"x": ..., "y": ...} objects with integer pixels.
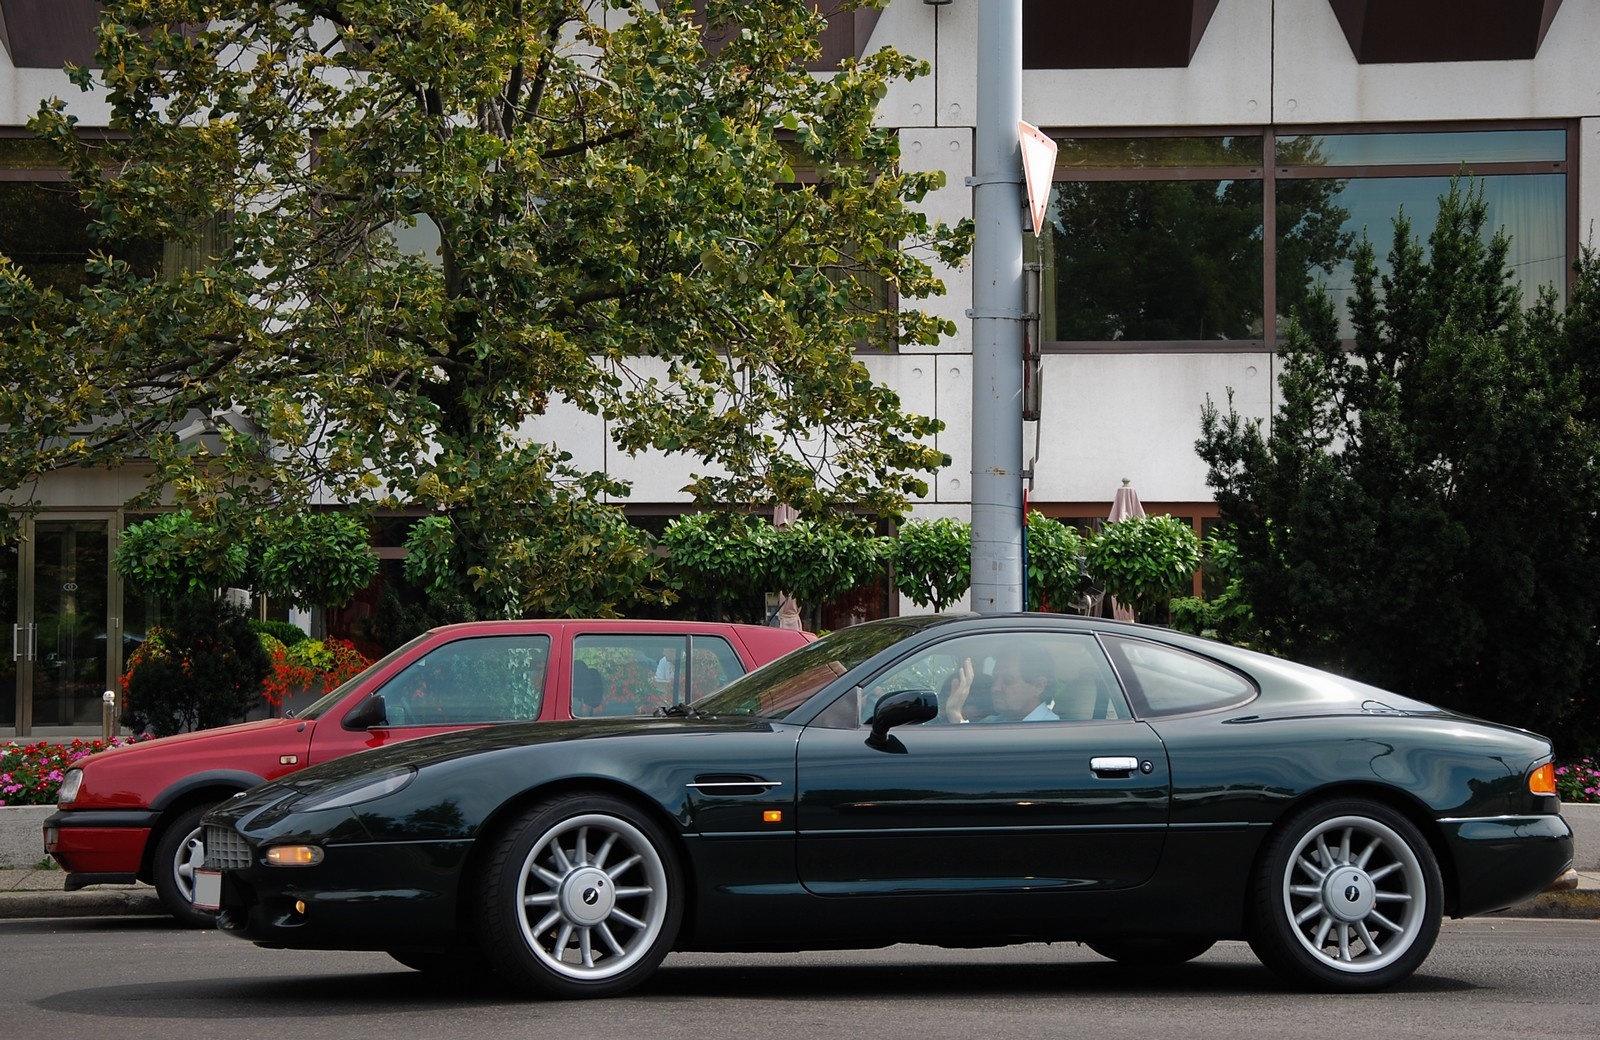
[
  {"x": 294, "y": 855},
  {"x": 1543, "y": 779},
  {"x": 772, "y": 816}
]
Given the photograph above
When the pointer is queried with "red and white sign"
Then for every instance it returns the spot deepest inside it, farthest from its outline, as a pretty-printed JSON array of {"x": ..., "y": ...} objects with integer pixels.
[{"x": 1038, "y": 167}]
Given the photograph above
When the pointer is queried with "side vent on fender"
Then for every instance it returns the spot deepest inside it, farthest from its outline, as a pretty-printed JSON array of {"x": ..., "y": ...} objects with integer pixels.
[{"x": 732, "y": 784}]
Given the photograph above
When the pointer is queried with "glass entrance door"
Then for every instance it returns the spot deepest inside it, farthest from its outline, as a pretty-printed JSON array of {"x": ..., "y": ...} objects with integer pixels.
[
  {"x": 10, "y": 623},
  {"x": 70, "y": 584},
  {"x": 54, "y": 599}
]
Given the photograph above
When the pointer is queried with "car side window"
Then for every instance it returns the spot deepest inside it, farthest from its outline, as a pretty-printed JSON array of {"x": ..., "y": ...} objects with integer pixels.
[
  {"x": 1164, "y": 680},
  {"x": 636, "y": 673},
  {"x": 1067, "y": 679},
  {"x": 471, "y": 680},
  {"x": 713, "y": 664}
]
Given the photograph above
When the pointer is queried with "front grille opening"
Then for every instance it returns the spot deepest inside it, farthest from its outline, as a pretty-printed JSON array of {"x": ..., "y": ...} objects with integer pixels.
[{"x": 226, "y": 849}]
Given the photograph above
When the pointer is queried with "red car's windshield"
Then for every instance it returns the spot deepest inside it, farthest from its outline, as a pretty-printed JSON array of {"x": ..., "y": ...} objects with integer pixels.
[
  {"x": 775, "y": 689},
  {"x": 337, "y": 694}
]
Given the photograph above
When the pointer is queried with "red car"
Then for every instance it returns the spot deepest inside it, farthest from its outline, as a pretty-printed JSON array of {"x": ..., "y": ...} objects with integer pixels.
[{"x": 133, "y": 813}]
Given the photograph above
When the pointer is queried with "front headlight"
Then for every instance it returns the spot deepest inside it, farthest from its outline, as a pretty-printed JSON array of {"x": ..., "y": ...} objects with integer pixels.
[
  {"x": 357, "y": 791},
  {"x": 69, "y": 787}
]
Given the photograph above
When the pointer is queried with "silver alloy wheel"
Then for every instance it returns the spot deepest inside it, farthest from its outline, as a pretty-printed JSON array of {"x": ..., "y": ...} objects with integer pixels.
[
  {"x": 1355, "y": 894},
  {"x": 191, "y": 855},
  {"x": 594, "y": 897}
]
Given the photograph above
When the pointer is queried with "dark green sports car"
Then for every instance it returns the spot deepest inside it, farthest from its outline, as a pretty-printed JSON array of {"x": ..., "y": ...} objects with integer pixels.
[{"x": 961, "y": 781}]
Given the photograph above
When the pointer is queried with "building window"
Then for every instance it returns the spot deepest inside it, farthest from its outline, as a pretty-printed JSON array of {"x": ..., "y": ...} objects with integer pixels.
[
  {"x": 1161, "y": 243},
  {"x": 44, "y": 226},
  {"x": 1365, "y": 180}
]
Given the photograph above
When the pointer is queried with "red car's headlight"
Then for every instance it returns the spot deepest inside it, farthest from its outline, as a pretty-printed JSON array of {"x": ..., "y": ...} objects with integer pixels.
[{"x": 70, "y": 784}]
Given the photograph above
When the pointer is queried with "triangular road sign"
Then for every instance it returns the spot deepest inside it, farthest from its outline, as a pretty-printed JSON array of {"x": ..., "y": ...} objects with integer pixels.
[{"x": 1038, "y": 167}]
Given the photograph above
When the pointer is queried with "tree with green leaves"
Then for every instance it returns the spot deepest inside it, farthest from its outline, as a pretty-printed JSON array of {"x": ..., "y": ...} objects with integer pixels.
[
  {"x": 1421, "y": 513},
  {"x": 933, "y": 561},
  {"x": 1144, "y": 561},
  {"x": 305, "y": 559},
  {"x": 686, "y": 241},
  {"x": 727, "y": 563},
  {"x": 1055, "y": 564},
  {"x": 717, "y": 563}
]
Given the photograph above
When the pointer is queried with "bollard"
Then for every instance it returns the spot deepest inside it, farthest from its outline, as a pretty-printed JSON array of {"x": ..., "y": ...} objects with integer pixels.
[{"x": 108, "y": 714}]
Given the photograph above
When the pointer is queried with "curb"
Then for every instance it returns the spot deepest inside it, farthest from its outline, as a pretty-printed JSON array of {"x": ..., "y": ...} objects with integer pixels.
[
  {"x": 133, "y": 901},
  {"x": 1578, "y": 905}
]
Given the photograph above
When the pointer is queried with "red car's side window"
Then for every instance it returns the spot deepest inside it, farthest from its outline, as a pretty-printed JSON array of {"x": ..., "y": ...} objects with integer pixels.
[{"x": 467, "y": 681}]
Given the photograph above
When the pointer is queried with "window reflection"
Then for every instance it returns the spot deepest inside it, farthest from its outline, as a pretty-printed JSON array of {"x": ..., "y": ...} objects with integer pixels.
[
  {"x": 1531, "y": 208},
  {"x": 1149, "y": 153},
  {"x": 1416, "y": 149},
  {"x": 1162, "y": 239},
  {"x": 1154, "y": 260},
  {"x": 45, "y": 230}
]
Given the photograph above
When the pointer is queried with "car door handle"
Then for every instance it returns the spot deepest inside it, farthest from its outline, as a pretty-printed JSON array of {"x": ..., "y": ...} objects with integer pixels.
[{"x": 1113, "y": 765}]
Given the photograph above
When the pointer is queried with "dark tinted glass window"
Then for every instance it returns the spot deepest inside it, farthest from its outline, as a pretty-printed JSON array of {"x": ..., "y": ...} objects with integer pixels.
[
  {"x": 485, "y": 679},
  {"x": 1154, "y": 260},
  {"x": 1163, "y": 680}
]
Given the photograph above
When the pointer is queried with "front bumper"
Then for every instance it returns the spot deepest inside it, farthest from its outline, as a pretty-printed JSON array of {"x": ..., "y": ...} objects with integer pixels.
[
  {"x": 1502, "y": 860},
  {"x": 98, "y": 846},
  {"x": 361, "y": 897}
]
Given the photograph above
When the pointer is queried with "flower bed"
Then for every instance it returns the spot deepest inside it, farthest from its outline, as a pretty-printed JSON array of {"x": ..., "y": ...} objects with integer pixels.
[
  {"x": 1578, "y": 783},
  {"x": 316, "y": 665},
  {"x": 30, "y": 774}
]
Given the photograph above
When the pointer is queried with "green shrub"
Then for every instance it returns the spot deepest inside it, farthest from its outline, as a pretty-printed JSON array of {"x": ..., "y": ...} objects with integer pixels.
[
  {"x": 282, "y": 631},
  {"x": 200, "y": 668},
  {"x": 1144, "y": 561}
]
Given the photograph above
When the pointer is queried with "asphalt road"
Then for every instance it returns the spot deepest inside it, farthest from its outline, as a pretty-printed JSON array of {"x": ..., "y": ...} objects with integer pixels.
[{"x": 134, "y": 977}]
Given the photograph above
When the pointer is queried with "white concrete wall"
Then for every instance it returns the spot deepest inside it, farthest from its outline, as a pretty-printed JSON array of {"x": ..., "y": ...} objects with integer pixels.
[
  {"x": 21, "y": 90},
  {"x": 1317, "y": 79}
]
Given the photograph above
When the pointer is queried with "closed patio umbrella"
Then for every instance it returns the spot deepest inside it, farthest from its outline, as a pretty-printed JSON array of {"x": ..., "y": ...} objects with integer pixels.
[
  {"x": 788, "y": 615},
  {"x": 1124, "y": 504}
]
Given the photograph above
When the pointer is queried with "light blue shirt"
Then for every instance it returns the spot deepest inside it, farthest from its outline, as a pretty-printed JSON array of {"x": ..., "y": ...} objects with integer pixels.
[{"x": 1040, "y": 713}]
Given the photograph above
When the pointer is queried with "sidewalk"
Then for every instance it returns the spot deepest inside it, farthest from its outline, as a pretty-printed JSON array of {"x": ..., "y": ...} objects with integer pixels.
[{"x": 33, "y": 892}]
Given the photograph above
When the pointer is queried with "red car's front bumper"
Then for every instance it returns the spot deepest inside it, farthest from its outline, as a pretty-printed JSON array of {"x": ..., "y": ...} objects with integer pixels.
[{"x": 98, "y": 847}]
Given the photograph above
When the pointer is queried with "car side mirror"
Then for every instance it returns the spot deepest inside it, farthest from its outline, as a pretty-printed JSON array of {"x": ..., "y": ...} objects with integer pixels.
[
  {"x": 368, "y": 714},
  {"x": 900, "y": 708}
]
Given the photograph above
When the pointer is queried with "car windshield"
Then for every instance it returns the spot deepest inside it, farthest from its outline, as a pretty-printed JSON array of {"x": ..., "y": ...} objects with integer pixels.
[
  {"x": 777, "y": 688},
  {"x": 337, "y": 694}
]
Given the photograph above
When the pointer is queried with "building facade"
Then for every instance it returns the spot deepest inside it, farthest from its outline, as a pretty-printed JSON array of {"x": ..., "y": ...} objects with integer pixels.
[{"x": 1217, "y": 159}]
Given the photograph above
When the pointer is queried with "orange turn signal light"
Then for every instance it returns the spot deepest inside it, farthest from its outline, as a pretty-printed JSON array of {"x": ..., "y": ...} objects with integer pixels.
[
  {"x": 294, "y": 855},
  {"x": 772, "y": 816},
  {"x": 1543, "y": 779}
]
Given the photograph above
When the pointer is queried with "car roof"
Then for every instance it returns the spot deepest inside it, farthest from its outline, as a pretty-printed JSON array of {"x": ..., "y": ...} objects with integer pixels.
[{"x": 657, "y": 625}]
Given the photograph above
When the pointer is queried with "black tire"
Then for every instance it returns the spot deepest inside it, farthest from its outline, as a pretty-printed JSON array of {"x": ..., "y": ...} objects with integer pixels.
[
  {"x": 581, "y": 897},
  {"x": 1151, "y": 952},
  {"x": 1347, "y": 898},
  {"x": 179, "y": 850}
]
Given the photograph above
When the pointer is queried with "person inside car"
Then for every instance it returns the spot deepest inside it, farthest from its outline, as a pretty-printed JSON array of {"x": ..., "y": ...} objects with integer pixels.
[{"x": 1019, "y": 689}]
